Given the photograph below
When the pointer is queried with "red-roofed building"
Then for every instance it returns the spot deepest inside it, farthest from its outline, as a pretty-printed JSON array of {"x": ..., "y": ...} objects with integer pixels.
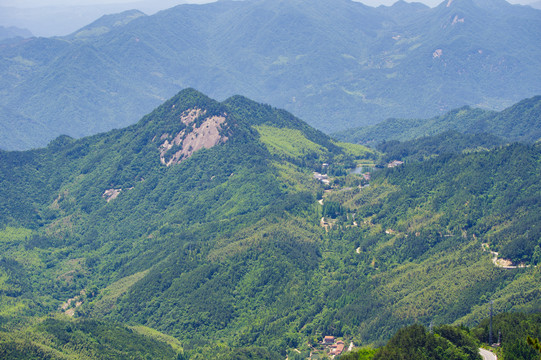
[
  {"x": 327, "y": 340},
  {"x": 338, "y": 348}
]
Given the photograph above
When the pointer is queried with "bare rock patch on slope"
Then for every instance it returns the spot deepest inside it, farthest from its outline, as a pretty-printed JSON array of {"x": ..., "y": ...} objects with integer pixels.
[{"x": 206, "y": 134}]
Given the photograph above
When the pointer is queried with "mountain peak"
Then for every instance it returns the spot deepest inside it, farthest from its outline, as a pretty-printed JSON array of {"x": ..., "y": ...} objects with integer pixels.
[
  {"x": 14, "y": 32},
  {"x": 188, "y": 122},
  {"x": 186, "y": 99},
  {"x": 402, "y": 9},
  {"x": 106, "y": 23},
  {"x": 401, "y": 4},
  {"x": 483, "y": 4},
  {"x": 200, "y": 131}
]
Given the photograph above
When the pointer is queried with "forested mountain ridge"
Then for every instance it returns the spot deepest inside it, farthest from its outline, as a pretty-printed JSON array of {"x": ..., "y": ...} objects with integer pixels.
[
  {"x": 61, "y": 338},
  {"x": 510, "y": 330},
  {"x": 336, "y": 64},
  {"x": 13, "y": 32},
  {"x": 105, "y": 24},
  {"x": 443, "y": 143},
  {"x": 520, "y": 122},
  {"x": 237, "y": 248},
  {"x": 126, "y": 215}
]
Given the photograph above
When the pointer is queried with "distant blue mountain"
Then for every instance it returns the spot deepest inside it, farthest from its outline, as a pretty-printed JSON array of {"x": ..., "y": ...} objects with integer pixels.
[
  {"x": 13, "y": 32},
  {"x": 337, "y": 64}
]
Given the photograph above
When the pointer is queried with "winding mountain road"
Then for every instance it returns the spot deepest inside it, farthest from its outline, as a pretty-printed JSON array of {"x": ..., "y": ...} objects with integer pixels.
[{"x": 487, "y": 355}]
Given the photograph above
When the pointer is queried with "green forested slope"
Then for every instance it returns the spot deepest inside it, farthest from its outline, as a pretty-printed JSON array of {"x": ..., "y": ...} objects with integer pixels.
[
  {"x": 62, "y": 338},
  {"x": 227, "y": 250},
  {"x": 432, "y": 218},
  {"x": 512, "y": 330},
  {"x": 473, "y": 193},
  {"x": 509, "y": 330},
  {"x": 187, "y": 224},
  {"x": 444, "y": 342},
  {"x": 430, "y": 146},
  {"x": 520, "y": 122}
]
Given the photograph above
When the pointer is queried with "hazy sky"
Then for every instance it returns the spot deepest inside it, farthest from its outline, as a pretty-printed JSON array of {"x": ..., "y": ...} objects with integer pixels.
[{"x": 45, "y": 3}]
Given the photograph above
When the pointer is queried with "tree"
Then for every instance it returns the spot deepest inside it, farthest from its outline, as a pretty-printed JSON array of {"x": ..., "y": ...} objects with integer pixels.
[{"x": 534, "y": 343}]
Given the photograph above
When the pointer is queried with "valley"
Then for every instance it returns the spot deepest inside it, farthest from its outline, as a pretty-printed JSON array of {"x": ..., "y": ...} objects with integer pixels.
[
  {"x": 225, "y": 245},
  {"x": 148, "y": 211}
]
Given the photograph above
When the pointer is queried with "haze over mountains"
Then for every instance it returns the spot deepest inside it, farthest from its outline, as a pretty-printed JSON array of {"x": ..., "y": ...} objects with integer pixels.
[
  {"x": 336, "y": 64},
  {"x": 58, "y": 18},
  {"x": 13, "y": 32},
  {"x": 42, "y": 17}
]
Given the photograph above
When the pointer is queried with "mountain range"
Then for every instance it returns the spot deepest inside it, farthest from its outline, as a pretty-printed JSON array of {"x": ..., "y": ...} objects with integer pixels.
[
  {"x": 43, "y": 18},
  {"x": 13, "y": 32},
  {"x": 520, "y": 122},
  {"x": 210, "y": 222},
  {"x": 337, "y": 64}
]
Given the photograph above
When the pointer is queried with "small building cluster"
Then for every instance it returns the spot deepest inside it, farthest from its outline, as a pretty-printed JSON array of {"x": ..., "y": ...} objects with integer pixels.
[
  {"x": 394, "y": 163},
  {"x": 324, "y": 178},
  {"x": 336, "y": 347}
]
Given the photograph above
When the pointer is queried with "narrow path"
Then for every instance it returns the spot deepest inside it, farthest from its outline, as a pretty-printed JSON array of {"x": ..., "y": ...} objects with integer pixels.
[
  {"x": 501, "y": 263},
  {"x": 505, "y": 264},
  {"x": 487, "y": 355}
]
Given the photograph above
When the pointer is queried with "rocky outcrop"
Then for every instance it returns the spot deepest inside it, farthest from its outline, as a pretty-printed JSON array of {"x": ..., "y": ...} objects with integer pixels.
[{"x": 178, "y": 147}]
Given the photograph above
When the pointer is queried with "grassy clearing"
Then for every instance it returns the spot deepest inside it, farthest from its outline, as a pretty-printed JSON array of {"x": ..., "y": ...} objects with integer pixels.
[
  {"x": 12, "y": 234},
  {"x": 111, "y": 293},
  {"x": 355, "y": 150},
  {"x": 288, "y": 142},
  {"x": 159, "y": 336}
]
